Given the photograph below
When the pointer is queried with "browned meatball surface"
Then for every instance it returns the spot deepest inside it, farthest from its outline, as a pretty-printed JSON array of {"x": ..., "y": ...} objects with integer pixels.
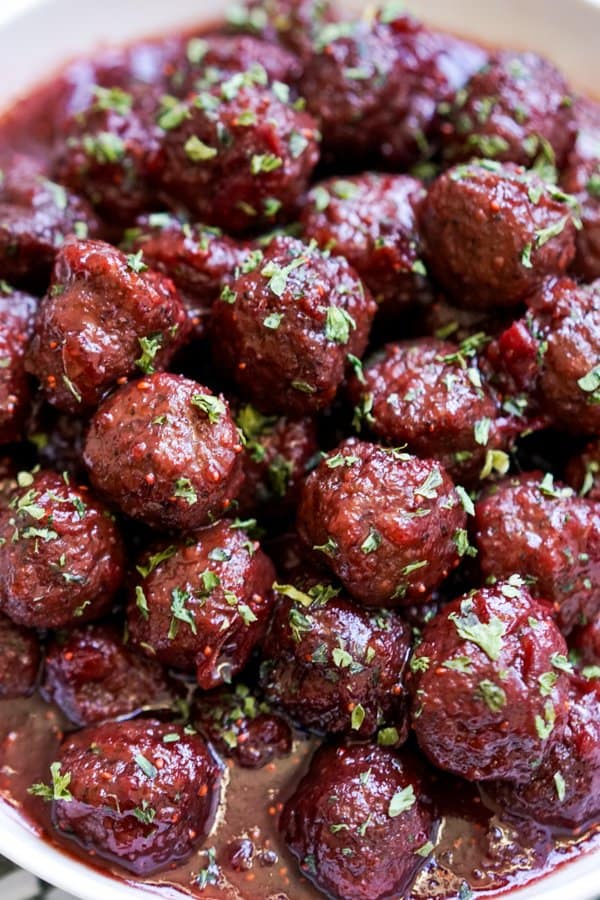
[
  {"x": 583, "y": 471},
  {"x": 19, "y": 660},
  {"x": 166, "y": 451},
  {"x": 292, "y": 23},
  {"x": 17, "y": 321}
]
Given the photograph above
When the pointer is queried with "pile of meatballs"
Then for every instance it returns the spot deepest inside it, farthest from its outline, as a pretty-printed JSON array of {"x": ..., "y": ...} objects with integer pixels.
[{"x": 300, "y": 419}]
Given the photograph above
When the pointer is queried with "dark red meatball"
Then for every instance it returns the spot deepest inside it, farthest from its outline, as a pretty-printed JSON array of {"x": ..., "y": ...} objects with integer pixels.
[
  {"x": 535, "y": 526},
  {"x": 366, "y": 800},
  {"x": 581, "y": 178},
  {"x": 564, "y": 791},
  {"x": 492, "y": 233},
  {"x": 285, "y": 327},
  {"x": 587, "y": 120},
  {"x": 488, "y": 700},
  {"x": 429, "y": 396},
  {"x": 278, "y": 454},
  {"x": 35, "y": 216},
  {"x": 554, "y": 353},
  {"x": 332, "y": 666},
  {"x": 387, "y": 524},
  {"x": 583, "y": 471},
  {"x": 93, "y": 676},
  {"x": 166, "y": 451},
  {"x": 61, "y": 556},
  {"x": 440, "y": 319},
  {"x": 371, "y": 220},
  {"x": 17, "y": 320},
  {"x": 236, "y": 156},
  {"x": 139, "y": 793},
  {"x": 586, "y": 641},
  {"x": 104, "y": 318},
  {"x": 202, "y": 605},
  {"x": 198, "y": 259},
  {"x": 242, "y": 727},
  {"x": 292, "y": 23},
  {"x": 19, "y": 660},
  {"x": 375, "y": 85},
  {"x": 516, "y": 108}
]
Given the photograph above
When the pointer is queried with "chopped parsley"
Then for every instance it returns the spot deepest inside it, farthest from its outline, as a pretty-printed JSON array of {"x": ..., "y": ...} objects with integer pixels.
[
  {"x": 212, "y": 406},
  {"x": 402, "y": 801},
  {"x": 59, "y": 790},
  {"x": 487, "y": 636}
]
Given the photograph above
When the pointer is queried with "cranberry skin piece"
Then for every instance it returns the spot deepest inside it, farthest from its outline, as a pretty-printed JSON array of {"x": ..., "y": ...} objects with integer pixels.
[
  {"x": 240, "y": 158},
  {"x": 158, "y": 455},
  {"x": 94, "y": 322},
  {"x": 17, "y": 320},
  {"x": 518, "y": 105},
  {"x": 19, "y": 660},
  {"x": 322, "y": 661},
  {"x": 285, "y": 328},
  {"x": 541, "y": 530},
  {"x": 61, "y": 556},
  {"x": 486, "y": 241},
  {"x": 371, "y": 221},
  {"x": 93, "y": 676},
  {"x": 565, "y": 790},
  {"x": 292, "y": 23},
  {"x": 583, "y": 472},
  {"x": 138, "y": 799},
  {"x": 384, "y": 522},
  {"x": 344, "y": 802},
  {"x": 479, "y": 708},
  {"x": 203, "y": 608},
  {"x": 198, "y": 259}
]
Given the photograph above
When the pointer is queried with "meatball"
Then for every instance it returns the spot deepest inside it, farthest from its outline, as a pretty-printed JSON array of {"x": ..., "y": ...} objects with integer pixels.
[
  {"x": 564, "y": 791},
  {"x": 19, "y": 660},
  {"x": 356, "y": 804},
  {"x": 140, "y": 793},
  {"x": 35, "y": 216},
  {"x": 581, "y": 179},
  {"x": 292, "y": 23},
  {"x": 492, "y": 233},
  {"x": 278, "y": 454},
  {"x": 535, "y": 526},
  {"x": 103, "y": 318},
  {"x": 199, "y": 260},
  {"x": 439, "y": 318},
  {"x": 423, "y": 395},
  {"x": 17, "y": 320},
  {"x": 516, "y": 108},
  {"x": 586, "y": 642},
  {"x": 332, "y": 666},
  {"x": 61, "y": 555},
  {"x": 242, "y": 727},
  {"x": 202, "y": 605},
  {"x": 488, "y": 699},
  {"x": 554, "y": 353},
  {"x": 387, "y": 524},
  {"x": 583, "y": 471},
  {"x": 92, "y": 675},
  {"x": 236, "y": 156},
  {"x": 166, "y": 451},
  {"x": 284, "y": 329},
  {"x": 371, "y": 220}
]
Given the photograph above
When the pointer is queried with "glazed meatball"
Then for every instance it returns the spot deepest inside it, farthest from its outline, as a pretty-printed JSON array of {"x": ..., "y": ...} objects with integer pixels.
[
  {"x": 488, "y": 702},
  {"x": 332, "y": 666},
  {"x": 104, "y": 318},
  {"x": 285, "y": 327},
  {"x": 35, "y": 216},
  {"x": 202, "y": 605},
  {"x": 198, "y": 259},
  {"x": 441, "y": 319},
  {"x": 242, "y": 727},
  {"x": 139, "y": 793},
  {"x": 92, "y": 676},
  {"x": 19, "y": 660},
  {"x": 583, "y": 471},
  {"x": 386, "y": 523},
  {"x": 61, "y": 556},
  {"x": 367, "y": 800},
  {"x": 371, "y": 220},
  {"x": 278, "y": 453},
  {"x": 586, "y": 642},
  {"x": 554, "y": 353},
  {"x": 236, "y": 156},
  {"x": 492, "y": 233},
  {"x": 292, "y": 23},
  {"x": 581, "y": 179},
  {"x": 166, "y": 451},
  {"x": 518, "y": 107},
  {"x": 17, "y": 320},
  {"x": 423, "y": 395},
  {"x": 564, "y": 791},
  {"x": 535, "y": 526}
]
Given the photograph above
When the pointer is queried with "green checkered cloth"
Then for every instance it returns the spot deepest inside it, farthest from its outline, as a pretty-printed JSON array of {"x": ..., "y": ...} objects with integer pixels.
[{"x": 16, "y": 884}]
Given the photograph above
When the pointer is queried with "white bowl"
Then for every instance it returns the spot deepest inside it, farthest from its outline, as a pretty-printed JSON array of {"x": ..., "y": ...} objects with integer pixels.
[{"x": 44, "y": 33}]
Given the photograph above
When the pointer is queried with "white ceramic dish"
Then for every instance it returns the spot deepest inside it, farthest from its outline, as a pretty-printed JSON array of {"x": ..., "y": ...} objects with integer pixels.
[{"x": 36, "y": 36}]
